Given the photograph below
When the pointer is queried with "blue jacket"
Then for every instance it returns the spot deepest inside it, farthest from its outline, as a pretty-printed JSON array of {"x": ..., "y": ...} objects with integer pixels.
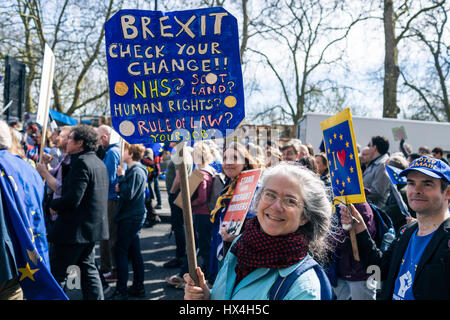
[
  {"x": 257, "y": 284},
  {"x": 112, "y": 161},
  {"x": 132, "y": 194}
]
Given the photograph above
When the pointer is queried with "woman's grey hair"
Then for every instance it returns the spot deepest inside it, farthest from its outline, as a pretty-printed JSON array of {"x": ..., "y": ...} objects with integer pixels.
[
  {"x": 5, "y": 135},
  {"x": 397, "y": 160},
  {"x": 317, "y": 207}
]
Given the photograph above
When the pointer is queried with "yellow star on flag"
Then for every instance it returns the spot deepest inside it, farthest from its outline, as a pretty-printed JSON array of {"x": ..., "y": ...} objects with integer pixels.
[
  {"x": 27, "y": 272},
  {"x": 351, "y": 156}
]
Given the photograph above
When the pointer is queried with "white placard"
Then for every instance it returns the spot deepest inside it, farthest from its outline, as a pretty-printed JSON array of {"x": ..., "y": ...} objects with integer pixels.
[
  {"x": 114, "y": 137},
  {"x": 46, "y": 85}
]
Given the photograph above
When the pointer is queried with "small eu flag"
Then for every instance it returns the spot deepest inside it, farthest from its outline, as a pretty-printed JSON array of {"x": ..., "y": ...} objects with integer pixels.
[
  {"x": 394, "y": 180},
  {"x": 394, "y": 175},
  {"x": 343, "y": 160}
]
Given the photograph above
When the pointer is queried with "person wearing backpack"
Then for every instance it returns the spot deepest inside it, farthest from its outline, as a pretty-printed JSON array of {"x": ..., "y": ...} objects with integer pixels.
[
  {"x": 417, "y": 264},
  {"x": 351, "y": 274},
  {"x": 280, "y": 245}
]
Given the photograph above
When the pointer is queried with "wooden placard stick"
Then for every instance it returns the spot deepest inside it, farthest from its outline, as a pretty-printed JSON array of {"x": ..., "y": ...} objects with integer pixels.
[
  {"x": 122, "y": 149},
  {"x": 352, "y": 233},
  {"x": 43, "y": 136},
  {"x": 187, "y": 217}
]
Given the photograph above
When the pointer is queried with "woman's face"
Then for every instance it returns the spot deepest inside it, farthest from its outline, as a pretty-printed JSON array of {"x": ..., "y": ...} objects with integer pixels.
[
  {"x": 126, "y": 155},
  {"x": 321, "y": 167},
  {"x": 233, "y": 163},
  {"x": 280, "y": 208}
]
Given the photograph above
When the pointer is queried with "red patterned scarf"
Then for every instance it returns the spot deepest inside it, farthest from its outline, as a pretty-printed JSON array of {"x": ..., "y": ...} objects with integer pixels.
[{"x": 256, "y": 249}]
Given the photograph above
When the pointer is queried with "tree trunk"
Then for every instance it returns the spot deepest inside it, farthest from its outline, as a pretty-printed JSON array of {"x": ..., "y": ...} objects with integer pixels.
[
  {"x": 244, "y": 30},
  {"x": 391, "y": 69}
]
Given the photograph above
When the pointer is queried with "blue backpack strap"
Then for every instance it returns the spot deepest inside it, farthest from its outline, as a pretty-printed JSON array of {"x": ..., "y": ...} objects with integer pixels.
[
  {"x": 326, "y": 292},
  {"x": 282, "y": 285}
]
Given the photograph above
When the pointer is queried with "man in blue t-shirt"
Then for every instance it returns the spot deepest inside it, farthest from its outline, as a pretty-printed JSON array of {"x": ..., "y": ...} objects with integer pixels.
[
  {"x": 408, "y": 267},
  {"x": 417, "y": 264}
]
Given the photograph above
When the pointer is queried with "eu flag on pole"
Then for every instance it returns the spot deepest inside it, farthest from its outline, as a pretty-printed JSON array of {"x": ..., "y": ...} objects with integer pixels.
[
  {"x": 26, "y": 227},
  {"x": 394, "y": 175},
  {"x": 394, "y": 180},
  {"x": 343, "y": 160}
]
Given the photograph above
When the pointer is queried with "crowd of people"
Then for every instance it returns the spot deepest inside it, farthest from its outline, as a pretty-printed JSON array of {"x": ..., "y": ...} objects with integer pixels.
[{"x": 293, "y": 232}]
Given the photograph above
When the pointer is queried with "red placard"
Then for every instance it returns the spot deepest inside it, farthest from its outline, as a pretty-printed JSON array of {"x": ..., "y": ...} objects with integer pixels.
[{"x": 241, "y": 200}]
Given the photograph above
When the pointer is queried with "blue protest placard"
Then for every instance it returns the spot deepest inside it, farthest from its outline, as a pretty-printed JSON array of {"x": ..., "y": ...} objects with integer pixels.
[
  {"x": 174, "y": 76},
  {"x": 342, "y": 156}
]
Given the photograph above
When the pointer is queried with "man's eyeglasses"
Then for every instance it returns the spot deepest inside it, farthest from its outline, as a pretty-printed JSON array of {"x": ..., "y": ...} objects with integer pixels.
[{"x": 286, "y": 203}]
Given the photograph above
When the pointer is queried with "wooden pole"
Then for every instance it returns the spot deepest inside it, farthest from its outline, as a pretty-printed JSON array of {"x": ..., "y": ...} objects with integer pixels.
[
  {"x": 43, "y": 136},
  {"x": 122, "y": 149},
  {"x": 187, "y": 216},
  {"x": 352, "y": 234}
]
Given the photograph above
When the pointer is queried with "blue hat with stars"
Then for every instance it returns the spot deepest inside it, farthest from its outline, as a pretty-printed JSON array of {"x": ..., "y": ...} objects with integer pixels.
[{"x": 431, "y": 167}]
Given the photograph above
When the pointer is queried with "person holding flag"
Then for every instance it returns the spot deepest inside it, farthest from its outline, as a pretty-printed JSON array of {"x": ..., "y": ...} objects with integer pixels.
[
  {"x": 289, "y": 231},
  {"x": 417, "y": 263},
  {"x": 24, "y": 258}
]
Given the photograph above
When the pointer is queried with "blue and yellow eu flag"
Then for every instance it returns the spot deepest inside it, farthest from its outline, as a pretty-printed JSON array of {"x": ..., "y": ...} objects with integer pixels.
[
  {"x": 158, "y": 149},
  {"x": 394, "y": 180},
  {"x": 394, "y": 175},
  {"x": 22, "y": 193},
  {"x": 343, "y": 160}
]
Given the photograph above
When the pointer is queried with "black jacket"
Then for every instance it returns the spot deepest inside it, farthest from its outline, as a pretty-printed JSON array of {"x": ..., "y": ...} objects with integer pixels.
[
  {"x": 432, "y": 278},
  {"x": 82, "y": 209}
]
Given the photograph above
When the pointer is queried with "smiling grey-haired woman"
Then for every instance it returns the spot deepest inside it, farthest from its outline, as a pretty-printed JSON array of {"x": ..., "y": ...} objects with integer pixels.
[{"x": 291, "y": 227}]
